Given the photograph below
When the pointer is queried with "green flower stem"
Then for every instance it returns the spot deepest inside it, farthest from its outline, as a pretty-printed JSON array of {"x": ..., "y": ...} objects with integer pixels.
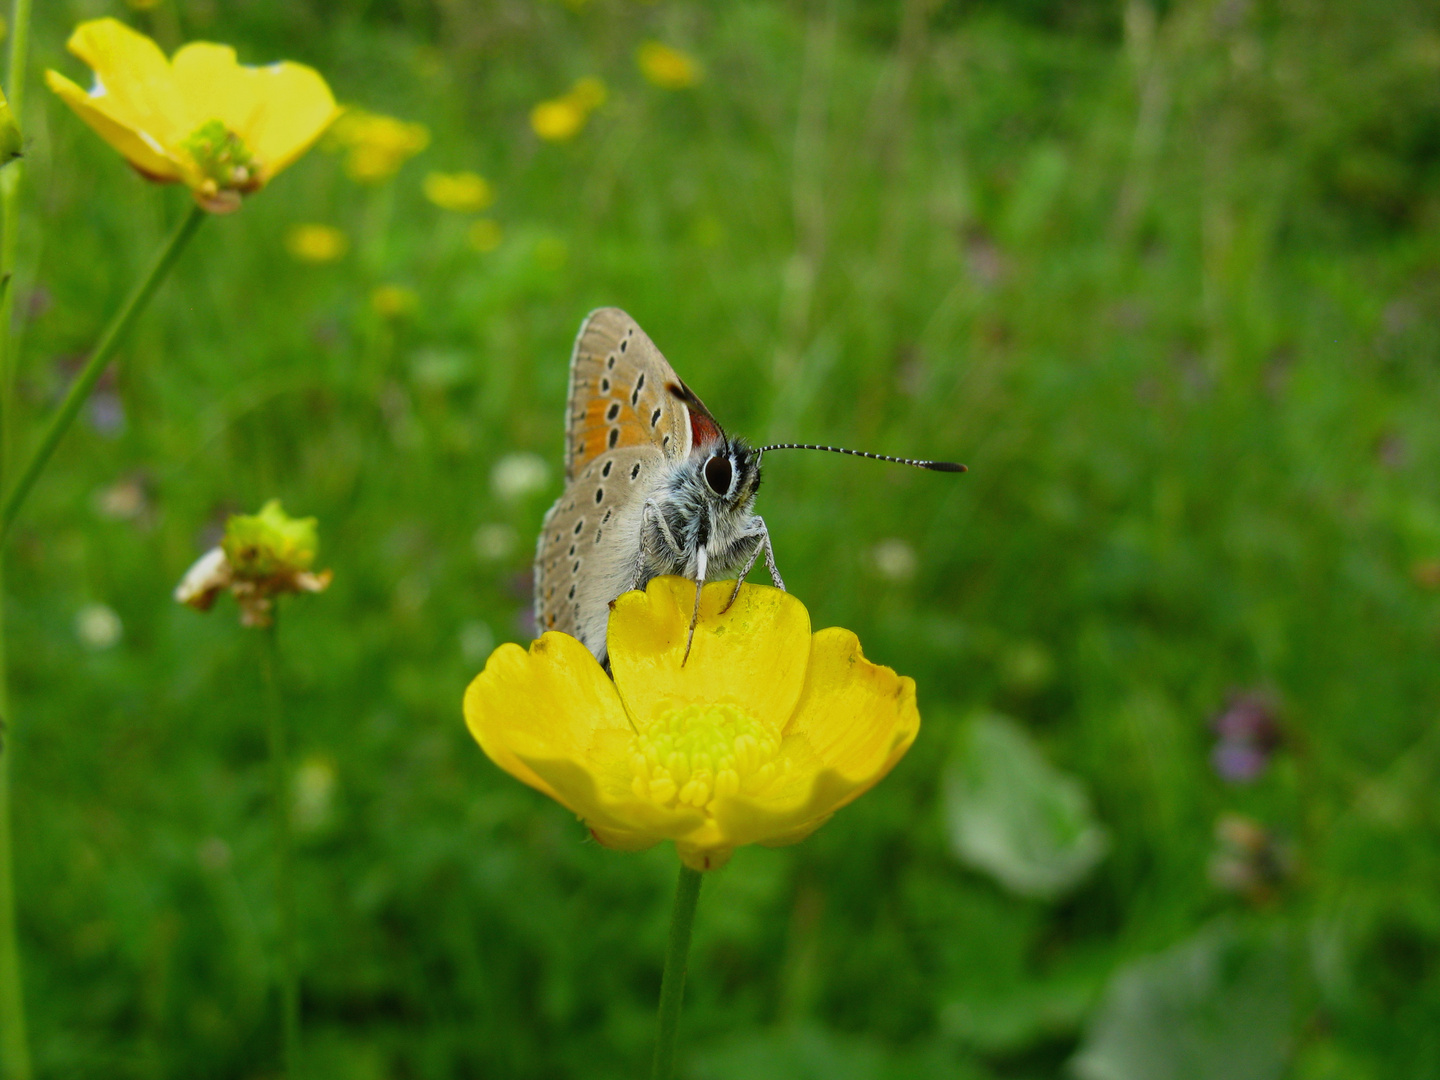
[
  {"x": 284, "y": 886},
  {"x": 14, "y": 1046},
  {"x": 95, "y": 366},
  {"x": 14, "y": 1042},
  {"x": 672, "y": 985}
]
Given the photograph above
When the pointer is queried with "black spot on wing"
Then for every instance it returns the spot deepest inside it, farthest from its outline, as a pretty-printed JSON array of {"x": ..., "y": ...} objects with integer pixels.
[
  {"x": 635, "y": 471},
  {"x": 614, "y": 437},
  {"x": 612, "y": 412},
  {"x": 655, "y": 417},
  {"x": 606, "y": 470},
  {"x": 578, "y": 526},
  {"x": 599, "y": 495}
]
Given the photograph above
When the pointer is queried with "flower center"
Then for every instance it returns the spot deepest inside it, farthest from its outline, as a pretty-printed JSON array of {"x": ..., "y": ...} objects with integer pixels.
[
  {"x": 223, "y": 157},
  {"x": 695, "y": 753}
]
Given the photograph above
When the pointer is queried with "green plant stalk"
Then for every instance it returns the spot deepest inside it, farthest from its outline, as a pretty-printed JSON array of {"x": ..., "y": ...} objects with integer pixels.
[
  {"x": 95, "y": 366},
  {"x": 672, "y": 984},
  {"x": 14, "y": 1045},
  {"x": 284, "y": 886},
  {"x": 14, "y": 1040},
  {"x": 10, "y": 212}
]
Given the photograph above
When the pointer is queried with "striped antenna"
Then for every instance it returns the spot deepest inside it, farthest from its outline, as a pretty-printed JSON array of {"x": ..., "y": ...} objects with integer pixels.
[{"x": 934, "y": 466}]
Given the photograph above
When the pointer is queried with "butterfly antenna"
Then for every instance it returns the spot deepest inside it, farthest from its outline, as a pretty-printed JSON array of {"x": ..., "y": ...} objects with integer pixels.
[{"x": 933, "y": 466}]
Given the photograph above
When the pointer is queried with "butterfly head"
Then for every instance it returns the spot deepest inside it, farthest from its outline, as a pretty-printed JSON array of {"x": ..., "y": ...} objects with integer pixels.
[{"x": 729, "y": 470}]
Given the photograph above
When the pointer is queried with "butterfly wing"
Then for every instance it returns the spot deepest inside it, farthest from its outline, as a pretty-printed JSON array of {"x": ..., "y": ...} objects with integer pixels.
[
  {"x": 622, "y": 394},
  {"x": 629, "y": 416}
]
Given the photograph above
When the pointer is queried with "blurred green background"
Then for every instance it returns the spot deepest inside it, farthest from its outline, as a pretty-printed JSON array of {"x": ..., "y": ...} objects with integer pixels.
[{"x": 1165, "y": 275}]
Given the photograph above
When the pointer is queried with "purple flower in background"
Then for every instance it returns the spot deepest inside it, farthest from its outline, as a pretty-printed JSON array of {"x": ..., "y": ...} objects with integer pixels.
[{"x": 1247, "y": 733}]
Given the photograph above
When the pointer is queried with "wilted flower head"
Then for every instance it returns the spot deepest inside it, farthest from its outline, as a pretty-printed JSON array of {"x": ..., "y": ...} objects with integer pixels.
[
  {"x": 758, "y": 737},
  {"x": 1248, "y": 859},
  {"x": 666, "y": 67},
  {"x": 262, "y": 556},
  {"x": 202, "y": 118},
  {"x": 562, "y": 118},
  {"x": 376, "y": 146}
]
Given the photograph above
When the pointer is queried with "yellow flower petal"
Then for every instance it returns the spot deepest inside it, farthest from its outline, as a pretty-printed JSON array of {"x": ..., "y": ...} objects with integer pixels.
[
  {"x": 134, "y": 84},
  {"x": 551, "y": 719},
  {"x": 131, "y": 144},
  {"x": 752, "y": 656},
  {"x": 544, "y": 702},
  {"x": 278, "y": 110},
  {"x": 854, "y": 721}
]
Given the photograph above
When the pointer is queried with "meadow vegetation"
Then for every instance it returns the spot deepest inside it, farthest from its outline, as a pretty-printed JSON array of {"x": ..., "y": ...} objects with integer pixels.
[{"x": 1164, "y": 275}]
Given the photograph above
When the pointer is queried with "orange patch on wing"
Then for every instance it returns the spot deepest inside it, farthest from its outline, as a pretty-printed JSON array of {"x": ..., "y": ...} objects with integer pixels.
[{"x": 603, "y": 427}]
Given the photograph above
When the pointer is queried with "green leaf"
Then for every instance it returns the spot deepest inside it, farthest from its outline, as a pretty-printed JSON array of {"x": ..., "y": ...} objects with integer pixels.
[
  {"x": 1217, "y": 1005},
  {"x": 1013, "y": 815}
]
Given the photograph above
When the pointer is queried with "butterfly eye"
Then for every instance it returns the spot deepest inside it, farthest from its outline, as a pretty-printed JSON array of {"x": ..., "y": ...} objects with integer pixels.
[{"x": 718, "y": 474}]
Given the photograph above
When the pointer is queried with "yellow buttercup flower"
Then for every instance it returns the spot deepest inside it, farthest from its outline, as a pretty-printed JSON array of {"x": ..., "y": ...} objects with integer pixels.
[
  {"x": 394, "y": 301},
  {"x": 462, "y": 192},
  {"x": 376, "y": 146},
  {"x": 666, "y": 67},
  {"x": 202, "y": 118},
  {"x": 562, "y": 118},
  {"x": 759, "y": 737},
  {"x": 316, "y": 243}
]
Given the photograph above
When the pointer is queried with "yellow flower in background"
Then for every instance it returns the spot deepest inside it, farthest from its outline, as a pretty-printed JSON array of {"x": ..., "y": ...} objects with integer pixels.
[
  {"x": 759, "y": 737},
  {"x": 557, "y": 120},
  {"x": 665, "y": 67},
  {"x": 485, "y": 234},
  {"x": 201, "y": 118},
  {"x": 316, "y": 243},
  {"x": 462, "y": 192},
  {"x": 393, "y": 301},
  {"x": 376, "y": 146},
  {"x": 563, "y": 118}
]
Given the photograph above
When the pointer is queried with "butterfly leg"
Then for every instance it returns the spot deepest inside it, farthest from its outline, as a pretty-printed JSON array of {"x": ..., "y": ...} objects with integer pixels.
[
  {"x": 762, "y": 543},
  {"x": 701, "y": 558}
]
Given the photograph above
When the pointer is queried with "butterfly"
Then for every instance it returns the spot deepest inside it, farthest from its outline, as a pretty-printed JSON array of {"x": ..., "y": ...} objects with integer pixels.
[{"x": 653, "y": 485}]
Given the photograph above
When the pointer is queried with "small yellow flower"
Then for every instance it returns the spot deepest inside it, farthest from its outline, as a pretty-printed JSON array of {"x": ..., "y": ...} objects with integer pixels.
[
  {"x": 485, "y": 234},
  {"x": 376, "y": 146},
  {"x": 557, "y": 120},
  {"x": 316, "y": 243},
  {"x": 462, "y": 192},
  {"x": 221, "y": 128},
  {"x": 562, "y": 118},
  {"x": 665, "y": 67},
  {"x": 759, "y": 737},
  {"x": 394, "y": 301}
]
